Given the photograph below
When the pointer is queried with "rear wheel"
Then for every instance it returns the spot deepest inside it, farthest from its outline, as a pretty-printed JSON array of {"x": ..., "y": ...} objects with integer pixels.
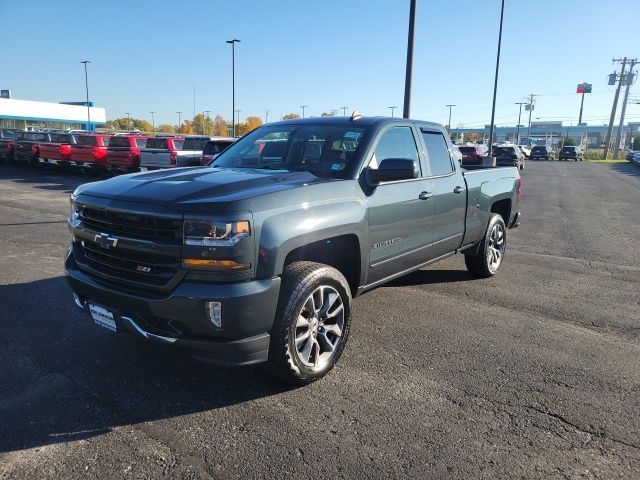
[
  {"x": 487, "y": 260},
  {"x": 312, "y": 323}
]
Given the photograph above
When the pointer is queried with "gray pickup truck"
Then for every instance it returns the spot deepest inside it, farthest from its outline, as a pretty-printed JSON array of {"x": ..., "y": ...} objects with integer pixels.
[{"x": 257, "y": 257}]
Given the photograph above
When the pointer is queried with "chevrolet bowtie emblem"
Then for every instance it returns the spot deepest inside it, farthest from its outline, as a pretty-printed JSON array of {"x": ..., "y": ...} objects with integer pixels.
[{"x": 105, "y": 241}]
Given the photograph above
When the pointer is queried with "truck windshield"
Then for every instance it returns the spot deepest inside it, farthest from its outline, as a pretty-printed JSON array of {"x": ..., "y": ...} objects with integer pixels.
[{"x": 327, "y": 151}]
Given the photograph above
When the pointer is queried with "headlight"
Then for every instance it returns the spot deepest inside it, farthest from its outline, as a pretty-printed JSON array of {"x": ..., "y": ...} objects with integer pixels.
[
  {"x": 200, "y": 233},
  {"x": 73, "y": 215}
]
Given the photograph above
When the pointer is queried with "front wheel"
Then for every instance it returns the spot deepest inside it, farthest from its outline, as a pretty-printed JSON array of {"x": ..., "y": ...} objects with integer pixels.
[
  {"x": 312, "y": 323},
  {"x": 487, "y": 260}
]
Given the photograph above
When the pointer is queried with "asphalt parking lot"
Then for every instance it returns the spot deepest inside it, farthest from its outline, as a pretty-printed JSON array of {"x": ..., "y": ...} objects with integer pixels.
[{"x": 531, "y": 374}]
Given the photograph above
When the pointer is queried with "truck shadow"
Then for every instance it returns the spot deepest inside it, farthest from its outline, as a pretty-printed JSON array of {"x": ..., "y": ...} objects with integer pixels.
[
  {"x": 46, "y": 178},
  {"x": 66, "y": 379},
  {"x": 630, "y": 169}
]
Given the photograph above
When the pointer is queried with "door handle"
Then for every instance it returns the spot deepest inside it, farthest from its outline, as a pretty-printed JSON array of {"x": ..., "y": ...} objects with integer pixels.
[
  {"x": 458, "y": 190},
  {"x": 425, "y": 195}
]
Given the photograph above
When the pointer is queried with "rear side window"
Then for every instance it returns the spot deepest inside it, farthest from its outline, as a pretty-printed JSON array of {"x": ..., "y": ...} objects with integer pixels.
[
  {"x": 467, "y": 149},
  {"x": 194, "y": 143},
  {"x": 141, "y": 142},
  {"x": 178, "y": 144},
  {"x": 438, "y": 153},
  {"x": 63, "y": 138},
  {"x": 504, "y": 151},
  {"x": 105, "y": 141},
  {"x": 87, "y": 140}
]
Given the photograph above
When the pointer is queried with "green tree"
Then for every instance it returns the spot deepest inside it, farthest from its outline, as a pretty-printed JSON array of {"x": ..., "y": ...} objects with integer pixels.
[
  {"x": 253, "y": 123},
  {"x": 202, "y": 125},
  {"x": 290, "y": 116},
  {"x": 568, "y": 142},
  {"x": 220, "y": 127},
  {"x": 186, "y": 128},
  {"x": 166, "y": 128}
]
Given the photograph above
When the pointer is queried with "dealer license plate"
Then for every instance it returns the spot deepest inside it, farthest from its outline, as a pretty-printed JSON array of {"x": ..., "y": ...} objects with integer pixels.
[{"x": 103, "y": 317}]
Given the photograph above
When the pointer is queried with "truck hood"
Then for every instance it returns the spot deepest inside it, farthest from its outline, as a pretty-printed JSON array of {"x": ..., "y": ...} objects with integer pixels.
[{"x": 196, "y": 188}]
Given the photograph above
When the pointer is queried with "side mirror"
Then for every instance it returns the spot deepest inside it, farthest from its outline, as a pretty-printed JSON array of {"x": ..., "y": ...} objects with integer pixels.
[{"x": 392, "y": 169}]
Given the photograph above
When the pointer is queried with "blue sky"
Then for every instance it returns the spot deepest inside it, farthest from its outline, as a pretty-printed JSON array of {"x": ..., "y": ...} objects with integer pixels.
[{"x": 325, "y": 54}]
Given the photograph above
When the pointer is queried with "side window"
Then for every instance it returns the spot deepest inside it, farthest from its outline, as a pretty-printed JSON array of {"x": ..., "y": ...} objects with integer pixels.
[
  {"x": 438, "y": 153},
  {"x": 397, "y": 142}
]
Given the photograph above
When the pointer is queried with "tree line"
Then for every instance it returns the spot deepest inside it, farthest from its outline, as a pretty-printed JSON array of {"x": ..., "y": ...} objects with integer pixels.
[{"x": 199, "y": 125}]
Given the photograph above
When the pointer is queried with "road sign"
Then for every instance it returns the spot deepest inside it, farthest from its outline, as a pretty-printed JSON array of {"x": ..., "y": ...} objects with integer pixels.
[{"x": 584, "y": 88}]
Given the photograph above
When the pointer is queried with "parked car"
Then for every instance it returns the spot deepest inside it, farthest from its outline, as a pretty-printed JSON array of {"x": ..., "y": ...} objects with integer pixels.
[
  {"x": 90, "y": 151},
  {"x": 257, "y": 259},
  {"x": 473, "y": 154},
  {"x": 123, "y": 153},
  {"x": 56, "y": 150},
  {"x": 214, "y": 147},
  {"x": 7, "y": 137},
  {"x": 541, "y": 152},
  {"x": 509, "y": 155},
  {"x": 572, "y": 152},
  {"x": 636, "y": 158},
  {"x": 160, "y": 152},
  {"x": 628, "y": 155},
  {"x": 26, "y": 148}
]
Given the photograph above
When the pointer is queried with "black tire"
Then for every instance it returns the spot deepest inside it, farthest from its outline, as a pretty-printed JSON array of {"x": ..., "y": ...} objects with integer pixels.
[
  {"x": 301, "y": 281},
  {"x": 479, "y": 264}
]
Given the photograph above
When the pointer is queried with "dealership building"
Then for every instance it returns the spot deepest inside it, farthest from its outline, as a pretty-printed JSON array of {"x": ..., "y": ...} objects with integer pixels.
[
  {"x": 550, "y": 133},
  {"x": 30, "y": 115}
]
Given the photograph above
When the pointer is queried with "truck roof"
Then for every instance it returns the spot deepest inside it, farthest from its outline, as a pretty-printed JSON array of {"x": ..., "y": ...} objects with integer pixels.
[{"x": 363, "y": 121}]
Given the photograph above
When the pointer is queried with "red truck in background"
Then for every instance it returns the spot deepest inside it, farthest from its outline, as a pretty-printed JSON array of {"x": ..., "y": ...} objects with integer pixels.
[
  {"x": 90, "y": 151},
  {"x": 123, "y": 153},
  {"x": 57, "y": 150}
]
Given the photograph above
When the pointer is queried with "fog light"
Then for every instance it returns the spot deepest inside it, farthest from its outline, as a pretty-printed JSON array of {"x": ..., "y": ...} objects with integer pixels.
[{"x": 213, "y": 311}]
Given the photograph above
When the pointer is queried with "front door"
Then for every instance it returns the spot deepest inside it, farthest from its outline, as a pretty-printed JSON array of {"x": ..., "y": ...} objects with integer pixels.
[{"x": 400, "y": 213}]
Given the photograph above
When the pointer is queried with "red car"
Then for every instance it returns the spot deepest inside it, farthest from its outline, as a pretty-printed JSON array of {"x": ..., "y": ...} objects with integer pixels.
[
  {"x": 90, "y": 151},
  {"x": 57, "y": 150},
  {"x": 123, "y": 153},
  {"x": 473, "y": 154}
]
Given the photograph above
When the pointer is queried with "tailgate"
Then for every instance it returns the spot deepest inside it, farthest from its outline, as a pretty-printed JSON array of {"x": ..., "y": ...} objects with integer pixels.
[
  {"x": 155, "y": 157},
  {"x": 83, "y": 153}
]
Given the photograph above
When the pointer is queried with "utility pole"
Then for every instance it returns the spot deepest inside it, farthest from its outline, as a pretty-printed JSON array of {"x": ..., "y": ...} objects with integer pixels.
[
  {"x": 303, "y": 107},
  {"x": 194, "y": 102},
  {"x": 607, "y": 140},
  {"x": 86, "y": 84},
  {"x": 530, "y": 105},
  {"x": 518, "y": 127},
  {"x": 450, "y": 106},
  {"x": 128, "y": 114},
  {"x": 407, "y": 78},
  {"x": 616, "y": 148},
  {"x": 233, "y": 83},
  {"x": 393, "y": 108},
  {"x": 153, "y": 122},
  {"x": 495, "y": 83},
  {"x": 266, "y": 116},
  {"x": 344, "y": 111},
  {"x": 179, "y": 119}
]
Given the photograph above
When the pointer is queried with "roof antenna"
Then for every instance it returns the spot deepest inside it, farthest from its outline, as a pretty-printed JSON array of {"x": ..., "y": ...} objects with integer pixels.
[{"x": 355, "y": 116}]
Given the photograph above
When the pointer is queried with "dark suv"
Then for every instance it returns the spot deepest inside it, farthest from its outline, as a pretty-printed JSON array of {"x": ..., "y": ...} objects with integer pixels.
[
  {"x": 7, "y": 136},
  {"x": 573, "y": 153},
  {"x": 541, "y": 152},
  {"x": 509, "y": 155}
]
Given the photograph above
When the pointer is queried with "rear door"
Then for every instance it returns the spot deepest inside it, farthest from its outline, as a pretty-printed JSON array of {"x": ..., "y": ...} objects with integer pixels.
[
  {"x": 449, "y": 194},
  {"x": 400, "y": 213}
]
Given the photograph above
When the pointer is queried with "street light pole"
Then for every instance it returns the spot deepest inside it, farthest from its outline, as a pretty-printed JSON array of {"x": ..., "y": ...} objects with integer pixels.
[
  {"x": 344, "y": 111},
  {"x": 153, "y": 121},
  {"x": 495, "y": 83},
  {"x": 179, "y": 119},
  {"x": 450, "y": 107},
  {"x": 393, "y": 108},
  {"x": 128, "y": 119},
  {"x": 407, "y": 78},
  {"x": 86, "y": 84},
  {"x": 303, "y": 107},
  {"x": 518, "y": 127},
  {"x": 233, "y": 83}
]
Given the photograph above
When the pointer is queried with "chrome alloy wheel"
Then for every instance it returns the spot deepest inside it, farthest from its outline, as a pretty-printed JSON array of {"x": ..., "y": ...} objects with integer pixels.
[
  {"x": 319, "y": 327},
  {"x": 497, "y": 244}
]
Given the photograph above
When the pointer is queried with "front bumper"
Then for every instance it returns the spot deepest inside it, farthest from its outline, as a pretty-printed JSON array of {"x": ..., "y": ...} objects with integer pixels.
[{"x": 248, "y": 310}]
